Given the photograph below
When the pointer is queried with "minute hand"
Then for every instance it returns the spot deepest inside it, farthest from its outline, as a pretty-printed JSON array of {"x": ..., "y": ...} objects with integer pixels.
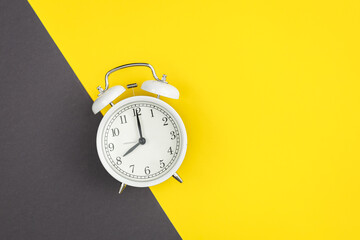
[{"x": 138, "y": 123}]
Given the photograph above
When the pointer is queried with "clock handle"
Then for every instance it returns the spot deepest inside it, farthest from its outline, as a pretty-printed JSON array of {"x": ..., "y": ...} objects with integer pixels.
[{"x": 131, "y": 65}]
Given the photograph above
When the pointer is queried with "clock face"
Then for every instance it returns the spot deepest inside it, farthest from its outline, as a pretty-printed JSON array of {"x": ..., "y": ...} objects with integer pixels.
[{"x": 141, "y": 141}]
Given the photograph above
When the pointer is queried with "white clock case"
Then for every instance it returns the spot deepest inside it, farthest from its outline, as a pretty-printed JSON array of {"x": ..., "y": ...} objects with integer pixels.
[{"x": 102, "y": 154}]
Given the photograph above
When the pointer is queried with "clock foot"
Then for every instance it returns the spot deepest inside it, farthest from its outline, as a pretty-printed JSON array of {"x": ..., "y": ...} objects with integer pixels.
[
  {"x": 122, "y": 187},
  {"x": 177, "y": 177}
]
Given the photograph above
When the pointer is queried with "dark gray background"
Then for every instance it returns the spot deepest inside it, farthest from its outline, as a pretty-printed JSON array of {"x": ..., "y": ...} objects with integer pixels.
[{"x": 52, "y": 184}]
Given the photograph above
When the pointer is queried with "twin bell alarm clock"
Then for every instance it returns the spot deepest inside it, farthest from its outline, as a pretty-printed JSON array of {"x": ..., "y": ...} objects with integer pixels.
[{"x": 141, "y": 140}]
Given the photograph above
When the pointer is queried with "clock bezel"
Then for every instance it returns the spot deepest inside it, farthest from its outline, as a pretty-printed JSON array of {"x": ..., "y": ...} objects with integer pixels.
[{"x": 102, "y": 154}]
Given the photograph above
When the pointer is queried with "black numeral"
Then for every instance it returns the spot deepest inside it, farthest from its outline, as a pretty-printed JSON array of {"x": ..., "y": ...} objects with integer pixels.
[
  {"x": 165, "y": 121},
  {"x": 152, "y": 113},
  {"x": 162, "y": 164},
  {"x": 170, "y": 151},
  {"x": 132, "y": 168},
  {"x": 118, "y": 160},
  {"x": 147, "y": 170},
  {"x": 173, "y": 135},
  {"x": 137, "y": 110},
  {"x": 123, "y": 119},
  {"x": 115, "y": 132},
  {"x": 111, "y": 147}
]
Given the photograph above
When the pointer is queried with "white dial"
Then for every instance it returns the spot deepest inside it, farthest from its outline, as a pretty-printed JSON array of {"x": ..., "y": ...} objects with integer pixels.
[{"x": 141, "y": 141}]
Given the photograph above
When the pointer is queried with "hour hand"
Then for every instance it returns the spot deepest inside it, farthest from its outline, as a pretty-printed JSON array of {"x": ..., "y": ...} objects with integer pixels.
[{"x": 131, "y": 149}]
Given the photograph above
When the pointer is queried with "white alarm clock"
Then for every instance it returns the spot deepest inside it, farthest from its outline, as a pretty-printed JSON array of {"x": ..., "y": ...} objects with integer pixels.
[{"x": 141, "y": 140}]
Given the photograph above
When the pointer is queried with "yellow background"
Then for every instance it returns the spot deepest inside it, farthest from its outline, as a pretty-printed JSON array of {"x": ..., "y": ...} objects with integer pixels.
[{"x": 269, "y": 93}]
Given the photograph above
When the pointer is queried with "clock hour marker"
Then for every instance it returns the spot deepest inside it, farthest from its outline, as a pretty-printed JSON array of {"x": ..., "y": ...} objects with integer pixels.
[
  {"x": 165, "y": 121},
  {"x": 123, "y": 119},
  {"x": 173, "y": 135},
  {"x": 111, "y": 147},
  {"x": 170, "y": 151},
  {"x": 136, "y": 111},
  {"x": 115, "y": 132}
]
